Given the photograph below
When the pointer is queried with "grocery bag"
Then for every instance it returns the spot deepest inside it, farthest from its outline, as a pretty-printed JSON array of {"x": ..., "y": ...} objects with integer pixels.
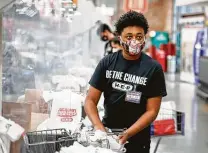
[
  {"x": 66, "y": 110},
  {"x": 164, "y": 127}
]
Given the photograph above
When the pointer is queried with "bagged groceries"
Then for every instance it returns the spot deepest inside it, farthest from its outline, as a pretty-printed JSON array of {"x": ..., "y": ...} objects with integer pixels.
[
  {"x": 65, "y": 113},
  {"x": 164, "y": 127},
  {"x": 78, "y": 148}
]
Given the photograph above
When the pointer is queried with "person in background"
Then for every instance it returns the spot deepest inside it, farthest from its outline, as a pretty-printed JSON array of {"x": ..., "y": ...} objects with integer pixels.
[
  {"x": 106, "y": 35},
  {"x": 133, "y": 85},
  {"x": 115, "y": 44}
]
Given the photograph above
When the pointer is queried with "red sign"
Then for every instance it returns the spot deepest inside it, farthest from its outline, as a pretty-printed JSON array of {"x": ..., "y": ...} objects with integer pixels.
[
  {"x": 66, "y": 114},
  {"x": 136, "y": 5}
]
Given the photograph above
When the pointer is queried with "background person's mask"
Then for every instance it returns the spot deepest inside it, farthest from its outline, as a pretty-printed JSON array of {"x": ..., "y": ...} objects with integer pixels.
[
  {"x": 133, "y": 47},
  {"x": 104, "y": 38},
  {"x": 115, "y": 50}
]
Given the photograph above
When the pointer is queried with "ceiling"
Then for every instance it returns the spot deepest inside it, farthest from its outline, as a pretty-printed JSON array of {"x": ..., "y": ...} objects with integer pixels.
[{"x": 191, "y": 2}]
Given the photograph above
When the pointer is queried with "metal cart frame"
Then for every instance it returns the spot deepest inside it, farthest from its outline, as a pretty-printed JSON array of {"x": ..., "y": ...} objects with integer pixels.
[{"x": 179, "y": 123}]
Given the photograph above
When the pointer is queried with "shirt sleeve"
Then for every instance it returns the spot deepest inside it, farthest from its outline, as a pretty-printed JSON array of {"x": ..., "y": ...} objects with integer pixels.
[
  {"x": 98, "y": 78},
  {"x": 157, "y": 86}
]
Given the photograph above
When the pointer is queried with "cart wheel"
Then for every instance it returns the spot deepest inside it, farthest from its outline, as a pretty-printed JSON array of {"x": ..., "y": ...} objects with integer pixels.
[{"x": 123, "y": 150}]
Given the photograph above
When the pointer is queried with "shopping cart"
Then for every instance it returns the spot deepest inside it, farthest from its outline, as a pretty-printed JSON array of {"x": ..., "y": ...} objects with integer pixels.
[
  {"x": 104, "y": 143},
  {"x": 168, "y": 123},
  {"x": 48, "y": 141}
]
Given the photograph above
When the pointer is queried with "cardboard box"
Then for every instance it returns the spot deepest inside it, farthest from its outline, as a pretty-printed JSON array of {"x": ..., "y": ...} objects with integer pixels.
[{"x": 20, "y": 113}]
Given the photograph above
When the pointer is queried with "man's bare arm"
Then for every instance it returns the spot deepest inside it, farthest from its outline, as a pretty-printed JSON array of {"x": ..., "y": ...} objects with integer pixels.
[
  {"x": 91, "y": 110},
  {"x": 153, "y": 107}
]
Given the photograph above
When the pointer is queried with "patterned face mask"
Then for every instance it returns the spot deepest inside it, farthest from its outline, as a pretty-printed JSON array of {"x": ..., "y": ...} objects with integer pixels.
[{"x": 133, "y": 47}]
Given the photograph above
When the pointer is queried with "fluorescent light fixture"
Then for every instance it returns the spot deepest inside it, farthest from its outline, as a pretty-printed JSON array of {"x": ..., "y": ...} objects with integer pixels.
[{"x": 152, "y": 33}]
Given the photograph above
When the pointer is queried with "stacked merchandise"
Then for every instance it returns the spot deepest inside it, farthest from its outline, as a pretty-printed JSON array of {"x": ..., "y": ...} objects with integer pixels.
[
  {"x": 166, "y": 56},
  {"x": 163, "y": 51}
]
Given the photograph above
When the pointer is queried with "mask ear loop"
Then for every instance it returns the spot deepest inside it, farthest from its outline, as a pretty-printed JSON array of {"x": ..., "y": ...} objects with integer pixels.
[
  {"x": 126, "y": 43},
  {"x": 123, "y": 44},
  {"x": 121, "y": 40},
  {"x": 143, "y": 41}
]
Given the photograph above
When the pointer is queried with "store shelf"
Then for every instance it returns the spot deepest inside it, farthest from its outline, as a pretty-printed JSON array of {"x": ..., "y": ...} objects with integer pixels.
[{"x": 192, "y": 15}]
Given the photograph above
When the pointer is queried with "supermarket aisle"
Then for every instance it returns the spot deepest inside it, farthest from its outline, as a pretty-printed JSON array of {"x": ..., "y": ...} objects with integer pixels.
[{"x": 196, "y": 117}]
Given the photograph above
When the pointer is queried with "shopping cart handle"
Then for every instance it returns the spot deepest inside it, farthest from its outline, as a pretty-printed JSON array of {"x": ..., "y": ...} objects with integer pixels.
[{"x": 118, "y": 130}]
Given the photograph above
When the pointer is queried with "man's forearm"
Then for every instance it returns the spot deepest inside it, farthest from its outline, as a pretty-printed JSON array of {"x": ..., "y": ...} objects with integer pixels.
[
  {"x": 145, "y": 120},
  {"x": 92, "y": 112}
]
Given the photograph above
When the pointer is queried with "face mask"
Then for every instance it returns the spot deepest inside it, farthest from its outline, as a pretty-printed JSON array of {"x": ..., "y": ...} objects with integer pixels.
[
  {"x": 133, "y": 47},
  {"x": 104, "y": 38}
]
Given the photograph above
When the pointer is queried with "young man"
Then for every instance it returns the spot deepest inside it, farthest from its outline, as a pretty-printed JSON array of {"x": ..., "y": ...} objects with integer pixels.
[
  {"x": 133, "y": 86},
  {"x": 107, "y": 35}
]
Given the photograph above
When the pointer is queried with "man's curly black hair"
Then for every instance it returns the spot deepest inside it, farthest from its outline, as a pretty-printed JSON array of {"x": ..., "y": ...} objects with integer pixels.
[{"x": 131, "y": 18}]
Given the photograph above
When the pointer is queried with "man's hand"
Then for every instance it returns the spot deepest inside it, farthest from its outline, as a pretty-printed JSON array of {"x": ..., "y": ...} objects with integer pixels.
[
  {"x": 123, "y": 138},
  {"x": 153, "y": 107},
  {"x": 101, "y": 128}
]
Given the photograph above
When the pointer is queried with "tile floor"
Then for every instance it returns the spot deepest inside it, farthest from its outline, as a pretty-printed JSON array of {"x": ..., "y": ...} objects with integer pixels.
[{"x": 196, "y": 118}]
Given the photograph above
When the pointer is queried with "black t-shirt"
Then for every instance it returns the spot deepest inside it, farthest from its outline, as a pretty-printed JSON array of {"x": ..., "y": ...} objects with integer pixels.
[
  {"x": 108, "y": 48},
  {"x": 115, "y": 76}
]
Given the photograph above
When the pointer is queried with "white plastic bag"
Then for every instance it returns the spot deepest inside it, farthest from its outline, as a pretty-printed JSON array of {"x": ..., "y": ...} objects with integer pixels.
[
  {"x": 9, "y": 128},
  {"x": 167, "y": 111},
  {"x": 4, "y": 144},
  {"x": 9, "y": 131},
  {"x": 66, "y": 110}
]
